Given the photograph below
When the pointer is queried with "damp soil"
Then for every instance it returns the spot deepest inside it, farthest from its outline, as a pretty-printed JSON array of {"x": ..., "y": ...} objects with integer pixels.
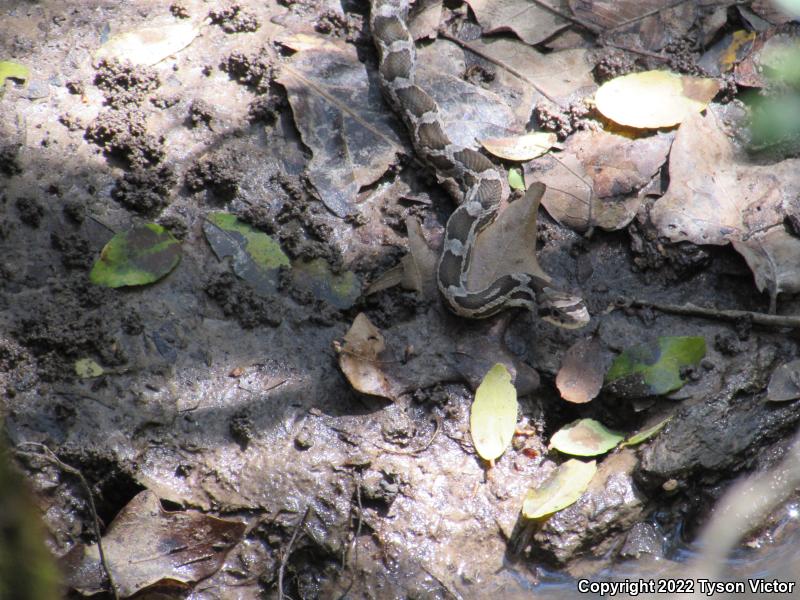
[{"x": 219, "y": 398}]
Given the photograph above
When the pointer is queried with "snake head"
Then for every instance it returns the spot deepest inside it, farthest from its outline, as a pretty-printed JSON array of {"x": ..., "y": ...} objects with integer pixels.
[{"x": 562, "y": 309}]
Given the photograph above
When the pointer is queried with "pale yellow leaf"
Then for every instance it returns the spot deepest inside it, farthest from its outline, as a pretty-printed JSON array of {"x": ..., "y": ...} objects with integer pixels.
[
  {"x": 493, "y": 416},
  {"x": 563, "y": 488},
  {"x": 654, "y": 99},
  {"x": 520, "y": 147}
]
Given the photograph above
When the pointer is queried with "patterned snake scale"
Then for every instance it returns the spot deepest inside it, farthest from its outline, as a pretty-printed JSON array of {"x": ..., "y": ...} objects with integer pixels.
[{"x": 468, "y": 176}]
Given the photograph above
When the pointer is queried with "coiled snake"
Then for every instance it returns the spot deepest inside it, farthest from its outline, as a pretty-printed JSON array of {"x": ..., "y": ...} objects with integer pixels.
[{"x": 469, "y": 177}]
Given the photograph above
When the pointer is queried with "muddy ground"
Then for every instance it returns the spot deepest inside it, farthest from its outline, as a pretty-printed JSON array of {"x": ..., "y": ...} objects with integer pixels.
[{"x": 228, "y": 401}]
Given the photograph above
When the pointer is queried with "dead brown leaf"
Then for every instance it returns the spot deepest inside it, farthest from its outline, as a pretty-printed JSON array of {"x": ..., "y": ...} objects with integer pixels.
[
  {"x": 342, "y": 118},
  {"x": 717, "y": 196},
  {"x": 145, "y": 545},
  {"x": 530, "y": 21},
  {"x": 508, "y": 245},
  {"x": 583, "y": 367},
  {"x": 594, "y": 180},
  {"x": 525, "y": 70}
]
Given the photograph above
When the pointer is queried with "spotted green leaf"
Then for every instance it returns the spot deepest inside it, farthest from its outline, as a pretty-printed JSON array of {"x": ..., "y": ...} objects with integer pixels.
[
  {"x": 493, "y": 416},
  {"x": 585, "y": 437},
  {"x": 256, "y": 256},
  {"x": 142, "y": 255},
  {"x": 563, "y": 488},
  {"x": 516, "y": 180},
  {"x": 654, "y": 368},
  {"x": 646, "y": 434}
]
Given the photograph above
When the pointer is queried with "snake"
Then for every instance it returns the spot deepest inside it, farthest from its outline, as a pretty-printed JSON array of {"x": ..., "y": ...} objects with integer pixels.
[{"x": 469, "y": 177}]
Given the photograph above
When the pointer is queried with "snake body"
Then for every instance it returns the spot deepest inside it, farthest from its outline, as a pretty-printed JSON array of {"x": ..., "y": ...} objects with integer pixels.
[{"x": 468, "y": 176}]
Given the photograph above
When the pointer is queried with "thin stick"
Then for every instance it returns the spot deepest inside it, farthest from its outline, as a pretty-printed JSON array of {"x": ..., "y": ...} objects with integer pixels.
[
  {"x": 792, "y": 321},
  {"x": 288, "y": 552},
  {"x": 51, "y": 457}
]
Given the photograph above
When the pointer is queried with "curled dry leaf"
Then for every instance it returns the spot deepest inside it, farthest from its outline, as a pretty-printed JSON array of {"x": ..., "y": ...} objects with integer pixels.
[
  {"x": 493, "y": 415},
  {"x": 583, "y": 367},
  {"x": 145, "y": 545},
  {"x": 520, "y": 147},
  {"x": 785, "y": 382},
  {"x": 360, "y": 357},
  {"x": 645, "y": 434},
  {"x": 717, "y": 196},
  {"x": 564, "y": 487},
  {"x": 654, "y": 99}
]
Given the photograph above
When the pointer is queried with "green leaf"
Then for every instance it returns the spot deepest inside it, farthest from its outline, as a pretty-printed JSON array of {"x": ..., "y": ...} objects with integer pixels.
[
  {"x": 493, "y": 416},
  {"x": 316, "y": 276},
  {"x": 645, "y": 435},
  {"x": 654, "y": 368},
  {"x": 256, "y": 256},
  {"x": 86, "y": 368},
  {"x": 585, "y": 437},
  {"x": 12, "y": 70},
  {"x": 516, "y": 180},
  {"x": 142, "y": 255},
  {"x": 563, "y": 488}
]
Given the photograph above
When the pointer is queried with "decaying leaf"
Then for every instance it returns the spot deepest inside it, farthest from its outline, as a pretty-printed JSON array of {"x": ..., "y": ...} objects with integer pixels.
[
  {"x": 361, "y": 356},
  {"x": 654, "y": 99},
  {"x": 520, "y": 147},
  {"x": 645, "y": 434},
  {"x": 654, "y": 369},
  {"x": 342, "y": 118},
  {"x": 530, "y": 21},
  {"x": 727, "y": 52},
  {"x": 424, "y": 17},
  {"x": 142, "y": 255},
  {"x": 493, "y": 416},
  {"x": 774, "y": 58},
  {"x": 257, "y": 258},
  {"x": 648, "y": 24},
  {"x": 564, "y": 487},
  {"x": 149, "y": 45},
  {"x": 145, "y": 545},
  {"x": 508, "y": 245},
  {"x": 717, "y": 196},
  {"x": 583, "y": 367},
  {"x": 585, "y": 437},
  {"x": 785, "y": 382},
  {"x": 315, "y": 276},
  {"x": 594, "y": 181},
  {"x": 86, "y": 368}
]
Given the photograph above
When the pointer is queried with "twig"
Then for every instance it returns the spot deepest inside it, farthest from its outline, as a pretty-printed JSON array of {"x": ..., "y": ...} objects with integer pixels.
[
  {"x": 792, "y": 321},
  {"x": 50, "y": 456},
  {"x": 288, "y": 552},
  {"x": 499, "y": 63}
]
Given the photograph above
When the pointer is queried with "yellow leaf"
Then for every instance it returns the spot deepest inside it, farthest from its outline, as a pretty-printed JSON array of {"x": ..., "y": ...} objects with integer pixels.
[
  {"x": 149, "y": 45},
  {"x": 86, "y": 368},
  {"x": 493, "y": 417},
  {"x": 654, "y": 98},
  {"x": 563, "y": 488},
  {"x": 520, "y": 147}
]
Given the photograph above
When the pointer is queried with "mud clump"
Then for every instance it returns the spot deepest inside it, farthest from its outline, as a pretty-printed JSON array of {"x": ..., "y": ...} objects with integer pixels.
[
  {"x": 252, "y": 70},
  {"x": 145, "y": 190},
  {"x": 219, "y": 173},
  {"x": 234, "y": 20},
  {"x": 238, "y": 300},
  {"x": 124, "y": 84}
]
